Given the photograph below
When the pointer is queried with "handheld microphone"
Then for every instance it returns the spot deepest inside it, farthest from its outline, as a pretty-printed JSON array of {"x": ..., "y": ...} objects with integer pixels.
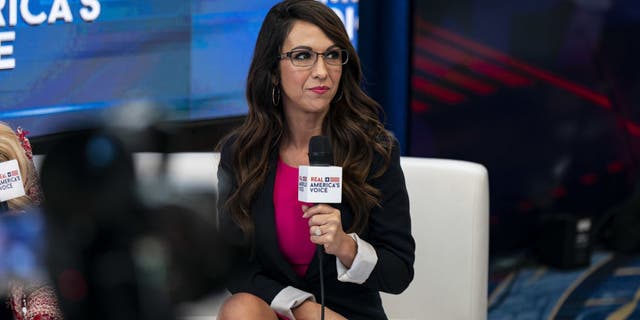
[
  {"x": 320, "y": 182},
  {"x": 11, "y": 185}
]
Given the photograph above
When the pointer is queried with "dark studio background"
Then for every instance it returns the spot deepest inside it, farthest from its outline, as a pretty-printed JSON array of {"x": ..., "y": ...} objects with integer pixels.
[{"x": 543, "y": 93}]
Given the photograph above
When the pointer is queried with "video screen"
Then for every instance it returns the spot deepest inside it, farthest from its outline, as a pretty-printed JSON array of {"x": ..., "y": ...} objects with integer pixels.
[{"x": 68, "y": 62}]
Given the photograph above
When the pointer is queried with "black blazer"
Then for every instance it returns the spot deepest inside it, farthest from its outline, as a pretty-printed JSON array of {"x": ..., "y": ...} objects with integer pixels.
[{"x": 263, "y": 270}]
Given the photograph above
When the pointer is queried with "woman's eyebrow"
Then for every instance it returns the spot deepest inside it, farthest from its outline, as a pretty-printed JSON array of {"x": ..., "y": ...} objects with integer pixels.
[
  {"x": 311, "y": 49},
  {"x": 301, "y": 48}
]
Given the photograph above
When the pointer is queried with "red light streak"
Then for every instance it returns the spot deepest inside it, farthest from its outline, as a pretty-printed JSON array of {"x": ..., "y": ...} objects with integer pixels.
[
  {"x": 430, "y": 66},
  {"x": 441, "y": 93},
  {"x": 478, "y": 65},
  {"x": 488, "y": 52},
  {"x": 633, "y": 128},
  {"x": 418, "y": 106}
]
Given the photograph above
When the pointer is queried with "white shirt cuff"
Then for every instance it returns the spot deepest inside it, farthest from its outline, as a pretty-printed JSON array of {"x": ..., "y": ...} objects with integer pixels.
[
  {"x": 363, "y": 264},
  {"x": 289, "y": 298}
]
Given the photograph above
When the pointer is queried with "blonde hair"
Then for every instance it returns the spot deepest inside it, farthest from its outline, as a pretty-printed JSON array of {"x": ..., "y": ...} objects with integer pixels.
[{"x": 11, "y": 148}]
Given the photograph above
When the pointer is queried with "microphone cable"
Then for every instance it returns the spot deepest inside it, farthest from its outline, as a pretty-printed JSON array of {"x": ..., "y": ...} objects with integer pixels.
[
  {"x": 321, "y": 283},
  {"x": 320, "y": 154}
]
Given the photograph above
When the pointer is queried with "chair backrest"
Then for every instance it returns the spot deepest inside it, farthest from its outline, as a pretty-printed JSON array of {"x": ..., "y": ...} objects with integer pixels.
[
  {"x": 449, "y": 202},
  {"x": 183, "y": 169}
]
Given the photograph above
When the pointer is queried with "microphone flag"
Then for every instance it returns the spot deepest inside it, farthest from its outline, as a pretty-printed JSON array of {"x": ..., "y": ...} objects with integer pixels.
[
  {"x": 11, "y": 185},
  {"x": 320, "y": 184}
]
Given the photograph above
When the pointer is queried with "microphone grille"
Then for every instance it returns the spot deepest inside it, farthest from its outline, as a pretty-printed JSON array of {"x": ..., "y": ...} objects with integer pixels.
[{"x": 320, "y": 152}]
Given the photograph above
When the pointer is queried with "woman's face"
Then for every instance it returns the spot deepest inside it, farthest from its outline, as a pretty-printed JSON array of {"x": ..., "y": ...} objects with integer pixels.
[{"x": 308, "y": 89}]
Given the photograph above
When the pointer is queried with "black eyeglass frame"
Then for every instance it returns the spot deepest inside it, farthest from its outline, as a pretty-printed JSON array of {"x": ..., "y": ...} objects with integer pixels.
[{"x": 344, "y": 52}]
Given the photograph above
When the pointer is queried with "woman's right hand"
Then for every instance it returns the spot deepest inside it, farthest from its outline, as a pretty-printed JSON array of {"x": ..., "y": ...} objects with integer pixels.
[{"x": 310, "y": 310}]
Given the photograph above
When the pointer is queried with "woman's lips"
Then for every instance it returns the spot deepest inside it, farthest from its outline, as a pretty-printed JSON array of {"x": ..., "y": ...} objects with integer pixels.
[{"x": 320, "y": 90}]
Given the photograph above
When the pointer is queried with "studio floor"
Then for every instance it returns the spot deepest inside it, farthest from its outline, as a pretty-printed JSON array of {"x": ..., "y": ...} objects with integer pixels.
[{"x": 609, "y": 288}]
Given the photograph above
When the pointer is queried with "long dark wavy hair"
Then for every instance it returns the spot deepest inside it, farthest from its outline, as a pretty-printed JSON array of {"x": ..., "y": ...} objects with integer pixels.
[{"x": 352, "y": 122}]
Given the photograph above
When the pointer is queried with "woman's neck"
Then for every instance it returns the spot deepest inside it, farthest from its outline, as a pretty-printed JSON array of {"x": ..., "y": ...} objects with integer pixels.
[{"x": 299, "y": 129}]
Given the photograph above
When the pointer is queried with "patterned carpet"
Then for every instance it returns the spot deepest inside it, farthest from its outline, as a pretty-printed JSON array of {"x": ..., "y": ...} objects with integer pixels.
[{"x": 609, "y": 288}]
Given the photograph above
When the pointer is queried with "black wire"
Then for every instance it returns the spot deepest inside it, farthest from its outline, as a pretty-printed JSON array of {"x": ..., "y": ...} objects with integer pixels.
[{"x": 321, "y": 283}]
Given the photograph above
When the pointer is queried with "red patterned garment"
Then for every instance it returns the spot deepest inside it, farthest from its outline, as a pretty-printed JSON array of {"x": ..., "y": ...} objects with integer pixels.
[
  {"x": 34, "y": 303},
  {"x": 33, "y": 189}
]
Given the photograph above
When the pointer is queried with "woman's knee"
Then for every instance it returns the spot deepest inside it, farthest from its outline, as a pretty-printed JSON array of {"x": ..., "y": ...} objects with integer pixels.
[{"x": 247, "y": 306}]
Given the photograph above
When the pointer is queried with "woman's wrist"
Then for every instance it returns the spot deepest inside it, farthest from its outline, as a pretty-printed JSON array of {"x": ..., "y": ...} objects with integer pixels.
[{"x": 347, "y": 251}]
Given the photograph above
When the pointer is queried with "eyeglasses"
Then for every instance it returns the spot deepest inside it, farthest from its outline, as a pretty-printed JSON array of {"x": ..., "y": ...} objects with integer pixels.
[{"x": 307, "y": 58}]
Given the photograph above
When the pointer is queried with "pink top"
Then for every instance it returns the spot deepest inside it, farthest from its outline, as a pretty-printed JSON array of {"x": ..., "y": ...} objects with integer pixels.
[{"x": 292, "y": 229}]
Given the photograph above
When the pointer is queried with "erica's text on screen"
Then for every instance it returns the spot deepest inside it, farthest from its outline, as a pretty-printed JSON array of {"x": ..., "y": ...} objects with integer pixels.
[{"x": 11, "y": 10}]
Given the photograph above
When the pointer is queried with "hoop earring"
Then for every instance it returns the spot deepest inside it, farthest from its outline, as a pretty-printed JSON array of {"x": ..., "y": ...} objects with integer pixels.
[
  {"x": 275, "y": 95},
  {"x": 339, "y": 96}
]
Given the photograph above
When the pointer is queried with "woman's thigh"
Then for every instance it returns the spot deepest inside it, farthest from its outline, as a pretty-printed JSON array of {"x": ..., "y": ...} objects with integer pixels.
[{"x": 245, "y": 306}]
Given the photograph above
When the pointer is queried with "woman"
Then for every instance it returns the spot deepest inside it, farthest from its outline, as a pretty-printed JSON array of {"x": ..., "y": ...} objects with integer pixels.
[
  {"x": 304, "y": 80},
  {"x": 32, "y": 301}
]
